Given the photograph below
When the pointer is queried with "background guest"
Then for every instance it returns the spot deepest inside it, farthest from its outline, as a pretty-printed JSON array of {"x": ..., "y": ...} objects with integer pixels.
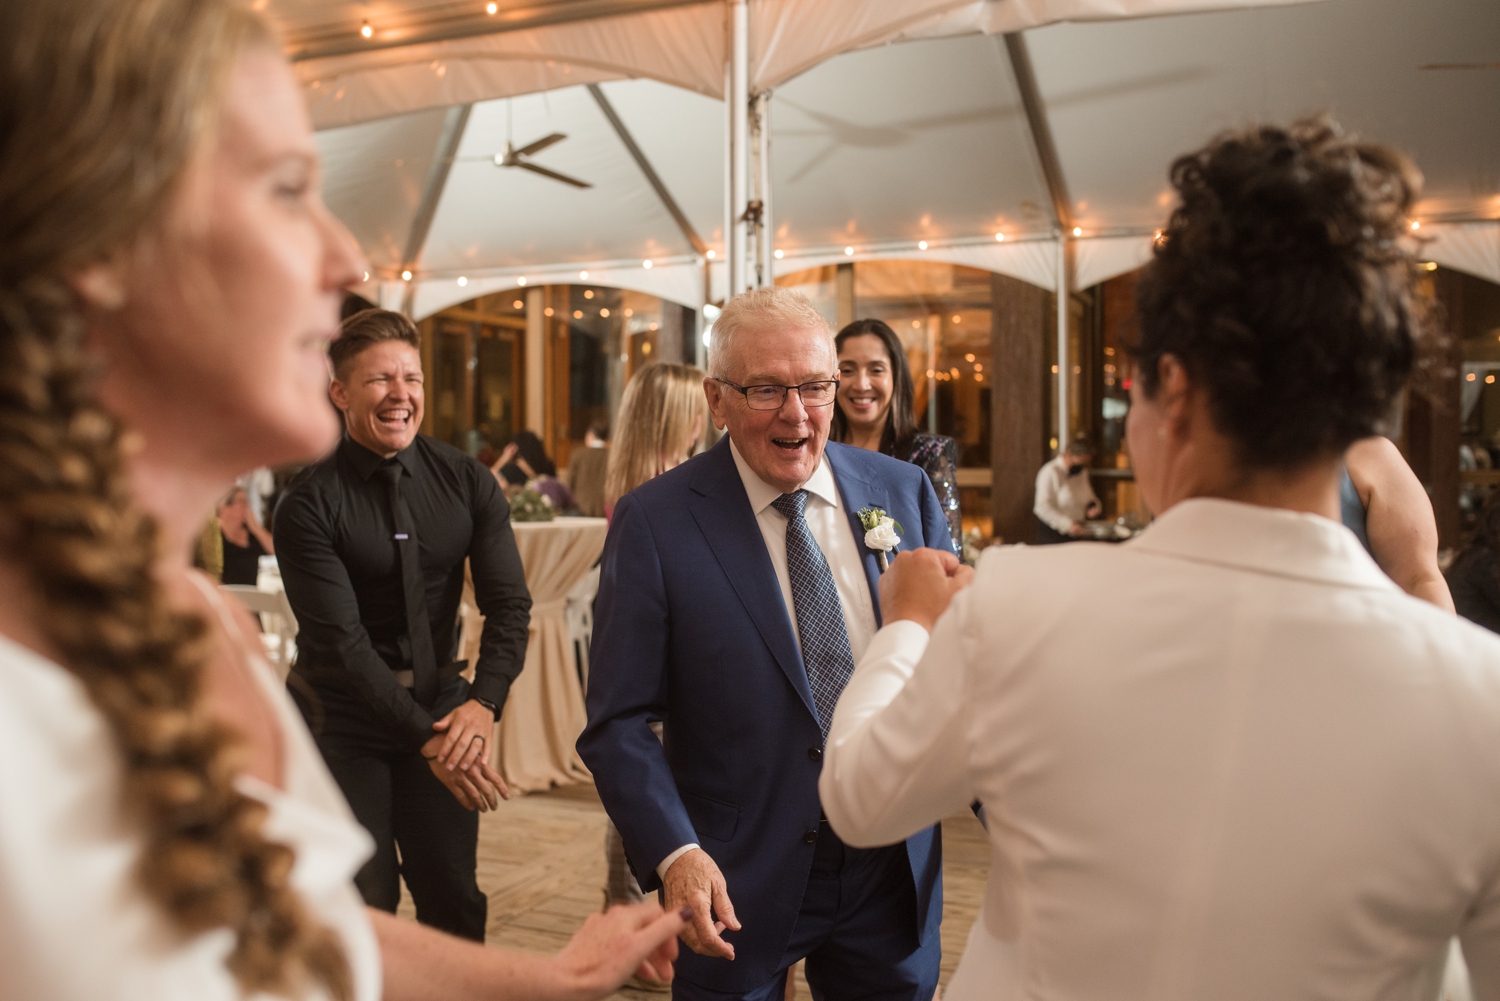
[
  {"x": 525, "y": 462},
  {"x": 586, "y": 470},
  {"x": 169, "y": 278},
  {"x": 1474, "y": 576},
  {"x": 244, "y": 539},
  {"x": 1385, "y": 505},
  {"x": 662, "y": 417},
  {"x": 1262, "y": 770},
  {"x": 373, "y": 542},
  {"x": 875, "y": 412},
  {"x": 1065, "y": 498}
]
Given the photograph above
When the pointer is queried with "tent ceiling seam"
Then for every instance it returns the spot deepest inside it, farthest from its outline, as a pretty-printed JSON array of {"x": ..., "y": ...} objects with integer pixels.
[
  {"x": 454, "y": 123},
  {"x": 1037, "y": 125},
  {"x": 657, "y": 185}
]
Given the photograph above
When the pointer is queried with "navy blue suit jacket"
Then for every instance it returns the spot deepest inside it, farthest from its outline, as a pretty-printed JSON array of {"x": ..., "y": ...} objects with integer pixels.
[{"x": 691, "y": 629}]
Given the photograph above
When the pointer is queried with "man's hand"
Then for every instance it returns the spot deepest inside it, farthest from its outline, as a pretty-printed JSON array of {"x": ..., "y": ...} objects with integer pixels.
[
  {"x": 695, "y": 882},
  {"x": 1077, "y": 531},
  {"x": 1093, "y": 510},
  {"x": 609, "y": 947},
  {"x": 478, "y": 787},
  {"x": 920, "y": 584},
  {"x": 468, "y": 730}
]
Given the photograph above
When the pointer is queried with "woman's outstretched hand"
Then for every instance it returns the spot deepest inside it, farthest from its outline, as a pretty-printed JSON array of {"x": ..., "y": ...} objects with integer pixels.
[
  {"x": 920, "y": 584},
  {"x": 638, "y": 939}
]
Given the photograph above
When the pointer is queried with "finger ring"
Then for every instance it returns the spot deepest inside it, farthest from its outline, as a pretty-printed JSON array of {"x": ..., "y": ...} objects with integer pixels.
[{"x": 478, "y": 736}]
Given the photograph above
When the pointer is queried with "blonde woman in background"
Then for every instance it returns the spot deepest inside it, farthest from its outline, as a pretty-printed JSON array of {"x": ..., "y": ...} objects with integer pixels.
[
  {"x": 169, "y": 282},
  {"x": 661, "y": 420},
  {"x": 662, "y": 417}
]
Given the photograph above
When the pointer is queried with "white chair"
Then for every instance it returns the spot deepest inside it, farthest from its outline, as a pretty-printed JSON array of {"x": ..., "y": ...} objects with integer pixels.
[
  {"x": 278, "y": 625},
  {"x": 580, "y": 616}
]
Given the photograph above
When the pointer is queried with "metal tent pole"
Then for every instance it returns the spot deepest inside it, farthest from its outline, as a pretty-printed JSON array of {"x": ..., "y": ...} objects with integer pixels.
[
  {"x": 1064, "y": 362},
  {"x": 739, "y": 143},
  {"x": 765, "y": 238}
]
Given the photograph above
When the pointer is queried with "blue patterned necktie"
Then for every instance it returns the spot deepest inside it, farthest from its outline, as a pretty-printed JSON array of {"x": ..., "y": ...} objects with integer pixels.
[{"x": 820, "y": 618}]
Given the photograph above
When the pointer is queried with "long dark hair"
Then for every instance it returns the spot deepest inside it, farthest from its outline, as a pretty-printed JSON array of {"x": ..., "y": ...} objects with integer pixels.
[{"x": 901, "y": 419}]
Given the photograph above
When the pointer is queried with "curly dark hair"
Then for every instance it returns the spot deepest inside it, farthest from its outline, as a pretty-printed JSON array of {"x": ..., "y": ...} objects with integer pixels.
[{"x": 1284, "y": 283}]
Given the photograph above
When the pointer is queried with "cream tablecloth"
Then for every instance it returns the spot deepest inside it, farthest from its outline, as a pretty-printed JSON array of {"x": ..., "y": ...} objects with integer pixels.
[{"x": 544, "y": 714}]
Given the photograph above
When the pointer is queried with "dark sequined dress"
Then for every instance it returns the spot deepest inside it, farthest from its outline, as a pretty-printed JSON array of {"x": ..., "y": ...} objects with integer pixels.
[{"x": 937, "y": 454}]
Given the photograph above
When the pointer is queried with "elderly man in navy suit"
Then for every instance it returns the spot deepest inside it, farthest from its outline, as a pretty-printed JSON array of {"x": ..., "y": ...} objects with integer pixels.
[{"x": 737, "y": 593}]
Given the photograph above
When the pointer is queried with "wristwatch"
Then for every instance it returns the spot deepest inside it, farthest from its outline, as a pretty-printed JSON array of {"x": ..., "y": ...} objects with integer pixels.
[{"x": 494, "y": 709}]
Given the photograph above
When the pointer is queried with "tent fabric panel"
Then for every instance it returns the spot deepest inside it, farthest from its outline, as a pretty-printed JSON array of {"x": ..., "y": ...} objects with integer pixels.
[
  {"x": 682, "y": 46},
  {"x": 506, "y": 217},
  {"x": 1099, "y": 260},
  {"x": 373, "y": 178},
  {"x": 679, "y": 283},
  {"x": 1473, "y": 248}
]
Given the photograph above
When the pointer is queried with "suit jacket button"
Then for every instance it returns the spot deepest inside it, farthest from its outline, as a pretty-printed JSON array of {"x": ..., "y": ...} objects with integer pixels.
[
  {"x": 814, "y": 754},
  {"x": 811, "y": 837}
]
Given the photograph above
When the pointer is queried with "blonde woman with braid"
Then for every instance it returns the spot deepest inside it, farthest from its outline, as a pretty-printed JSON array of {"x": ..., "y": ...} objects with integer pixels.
[{"x": 169, "y": 281}]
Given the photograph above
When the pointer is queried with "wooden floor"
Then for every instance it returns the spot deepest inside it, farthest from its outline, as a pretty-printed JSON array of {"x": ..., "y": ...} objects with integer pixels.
[{"x": 541, "y": 862}]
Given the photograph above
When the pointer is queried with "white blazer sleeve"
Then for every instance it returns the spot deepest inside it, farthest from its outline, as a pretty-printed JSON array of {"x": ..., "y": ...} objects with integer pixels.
[
  {"x": 897, "y": 756},
  {"x": 1480, "y": 938}
]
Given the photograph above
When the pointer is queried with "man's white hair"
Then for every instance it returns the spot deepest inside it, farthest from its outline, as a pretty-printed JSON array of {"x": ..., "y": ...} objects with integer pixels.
[{"x": 768, "y": 308}]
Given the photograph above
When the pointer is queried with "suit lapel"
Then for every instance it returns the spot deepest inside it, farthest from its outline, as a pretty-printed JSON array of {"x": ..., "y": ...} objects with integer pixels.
[
  {"x": 722, "y": 511},
  {"x": 856, "y": 492}
]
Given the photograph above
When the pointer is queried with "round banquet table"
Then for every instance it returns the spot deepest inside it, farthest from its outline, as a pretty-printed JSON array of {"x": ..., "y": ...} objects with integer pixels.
[{"x": 544, "y": 714}]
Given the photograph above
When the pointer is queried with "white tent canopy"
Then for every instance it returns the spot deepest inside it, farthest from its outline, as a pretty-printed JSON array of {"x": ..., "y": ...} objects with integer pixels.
[{"x": 882, "y": 147}]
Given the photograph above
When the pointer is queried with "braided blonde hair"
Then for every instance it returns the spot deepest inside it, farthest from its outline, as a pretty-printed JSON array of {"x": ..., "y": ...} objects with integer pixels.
[
  {"x": 659, "y": 411},
  {"x": 102, "y": 105}
]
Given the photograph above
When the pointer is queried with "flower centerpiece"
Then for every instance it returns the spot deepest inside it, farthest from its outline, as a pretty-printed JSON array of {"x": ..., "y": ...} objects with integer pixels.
[
  {"x": 880, "y": 534},
  {"x": 531, "y": 505}
]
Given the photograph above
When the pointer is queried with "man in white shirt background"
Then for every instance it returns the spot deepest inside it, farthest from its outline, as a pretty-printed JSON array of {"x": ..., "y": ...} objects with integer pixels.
[
  {"x": 736, "y": 592},
  {"x": 1064, "y": 496}
]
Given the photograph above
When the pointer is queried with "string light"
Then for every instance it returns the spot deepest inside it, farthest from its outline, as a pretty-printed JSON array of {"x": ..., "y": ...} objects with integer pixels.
[
  {"x": 969, "y": 359},
  {"x": 367, "y": 276},
  {"x": 604, "y": 313},
  {"x": 1489, "y": 380},
  {"x": 366, "y": 30},
  {"x": 999, "y": 237},
  {"x": 547, "y": 311},
  {"x": 521, "y": 280},
  {"x": 711, "y": 255},
  {"x": 848, "y": 251},
  {"x": 779, "y": 254},
  {"x": 518, "y": 304},
  {"x": 646, "y": 264},
  {"x": 1077, "y": 230},
  {"x": 629, "y": 311},
  {"x": 957, "y": 318},
  {"x": 1054, "y": 372},
  {"x": 577, "y": 314},
  {"x": 921, "y": 244},
  {"x": 584, "y": 275},
  {"x": 491, "y": 8},
  {"x": 588, "y": 293},
  {"x": 406, "y": 276},
  {"x": 1415, "y": 225},
  {"x": 462, "y": 281},
  {"x": 1470, "y": 377}
]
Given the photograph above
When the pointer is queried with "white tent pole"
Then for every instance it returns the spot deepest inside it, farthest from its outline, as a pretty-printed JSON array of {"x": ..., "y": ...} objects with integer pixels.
[
  {"x": 739, "y": 142},
  {"x": 765, "y": 239},
  {"x": 1064, "y": 363},
  {"x": 454, "y": 123}
]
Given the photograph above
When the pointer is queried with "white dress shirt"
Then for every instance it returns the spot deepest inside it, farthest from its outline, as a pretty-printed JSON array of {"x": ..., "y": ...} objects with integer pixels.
[
  {"x": 1061, "y": 499},
  {"x": 1227, "y": 760},
  {"x": 74, "y": 921},
  {"x": 829, "y": 524}
]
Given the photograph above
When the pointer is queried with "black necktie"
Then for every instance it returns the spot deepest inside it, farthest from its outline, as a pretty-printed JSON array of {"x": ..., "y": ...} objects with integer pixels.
[
  {"x": 418, "y": 627},
  {"x": 821, "y": 630}
]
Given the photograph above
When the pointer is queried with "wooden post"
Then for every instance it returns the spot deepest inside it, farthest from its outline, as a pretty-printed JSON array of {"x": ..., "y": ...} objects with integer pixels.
[
  {"x": 535, "y": 355},
  {"x": 1018, "y": 439}
]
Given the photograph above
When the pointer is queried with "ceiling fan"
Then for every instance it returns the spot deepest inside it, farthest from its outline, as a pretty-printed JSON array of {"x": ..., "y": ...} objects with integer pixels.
[
  {"x": 512, "y": 157},
  {"x": 1460, "y": 66}
]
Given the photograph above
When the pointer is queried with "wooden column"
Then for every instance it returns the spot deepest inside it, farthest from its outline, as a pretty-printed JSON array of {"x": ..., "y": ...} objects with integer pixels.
[
  {"x": 1018, "y": 439},
  {"x": 535, "y": 355}
]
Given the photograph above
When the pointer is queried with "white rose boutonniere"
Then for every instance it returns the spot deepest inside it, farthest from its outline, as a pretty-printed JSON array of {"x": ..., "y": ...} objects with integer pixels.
[{"x": 880, "y": 534}]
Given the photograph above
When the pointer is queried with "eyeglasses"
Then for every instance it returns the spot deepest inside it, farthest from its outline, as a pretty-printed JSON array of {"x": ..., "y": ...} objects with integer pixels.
[{"x": 812, "y": 394}]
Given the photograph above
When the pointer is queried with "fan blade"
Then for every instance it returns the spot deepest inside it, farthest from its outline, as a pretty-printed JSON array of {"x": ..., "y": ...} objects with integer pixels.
[
  {"x": 541, "y": 144},
  {"x": 1460, "y": 66},
  {"x": 554, "y": 175}
]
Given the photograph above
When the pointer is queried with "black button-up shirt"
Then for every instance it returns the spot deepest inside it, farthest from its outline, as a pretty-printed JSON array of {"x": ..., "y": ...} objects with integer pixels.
[{"x": 335, "y": 544}]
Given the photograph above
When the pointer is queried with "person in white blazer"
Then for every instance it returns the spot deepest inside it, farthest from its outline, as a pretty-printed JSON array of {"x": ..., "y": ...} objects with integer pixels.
[{"x": 1229, "y": 759}]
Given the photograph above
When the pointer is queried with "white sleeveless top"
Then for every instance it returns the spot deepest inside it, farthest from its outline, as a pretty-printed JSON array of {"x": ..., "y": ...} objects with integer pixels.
[{"x": 74, "y": 923}]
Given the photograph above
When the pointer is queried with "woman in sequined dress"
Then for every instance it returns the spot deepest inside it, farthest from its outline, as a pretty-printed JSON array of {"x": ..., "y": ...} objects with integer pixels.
[{"x": 875, "y": 411}]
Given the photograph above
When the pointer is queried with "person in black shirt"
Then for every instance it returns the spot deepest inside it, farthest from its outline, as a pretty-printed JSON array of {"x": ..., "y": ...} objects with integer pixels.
[
  {"x": 245, "y": 541},
  {"x": 371, "y": 542}
]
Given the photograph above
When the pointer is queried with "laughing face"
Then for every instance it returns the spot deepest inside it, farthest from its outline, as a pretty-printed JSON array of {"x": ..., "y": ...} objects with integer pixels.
[
  {"x": 380, "y": 393},
  {"x": 783, "y": 446},
  {"x": 865, "y": 382}
]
